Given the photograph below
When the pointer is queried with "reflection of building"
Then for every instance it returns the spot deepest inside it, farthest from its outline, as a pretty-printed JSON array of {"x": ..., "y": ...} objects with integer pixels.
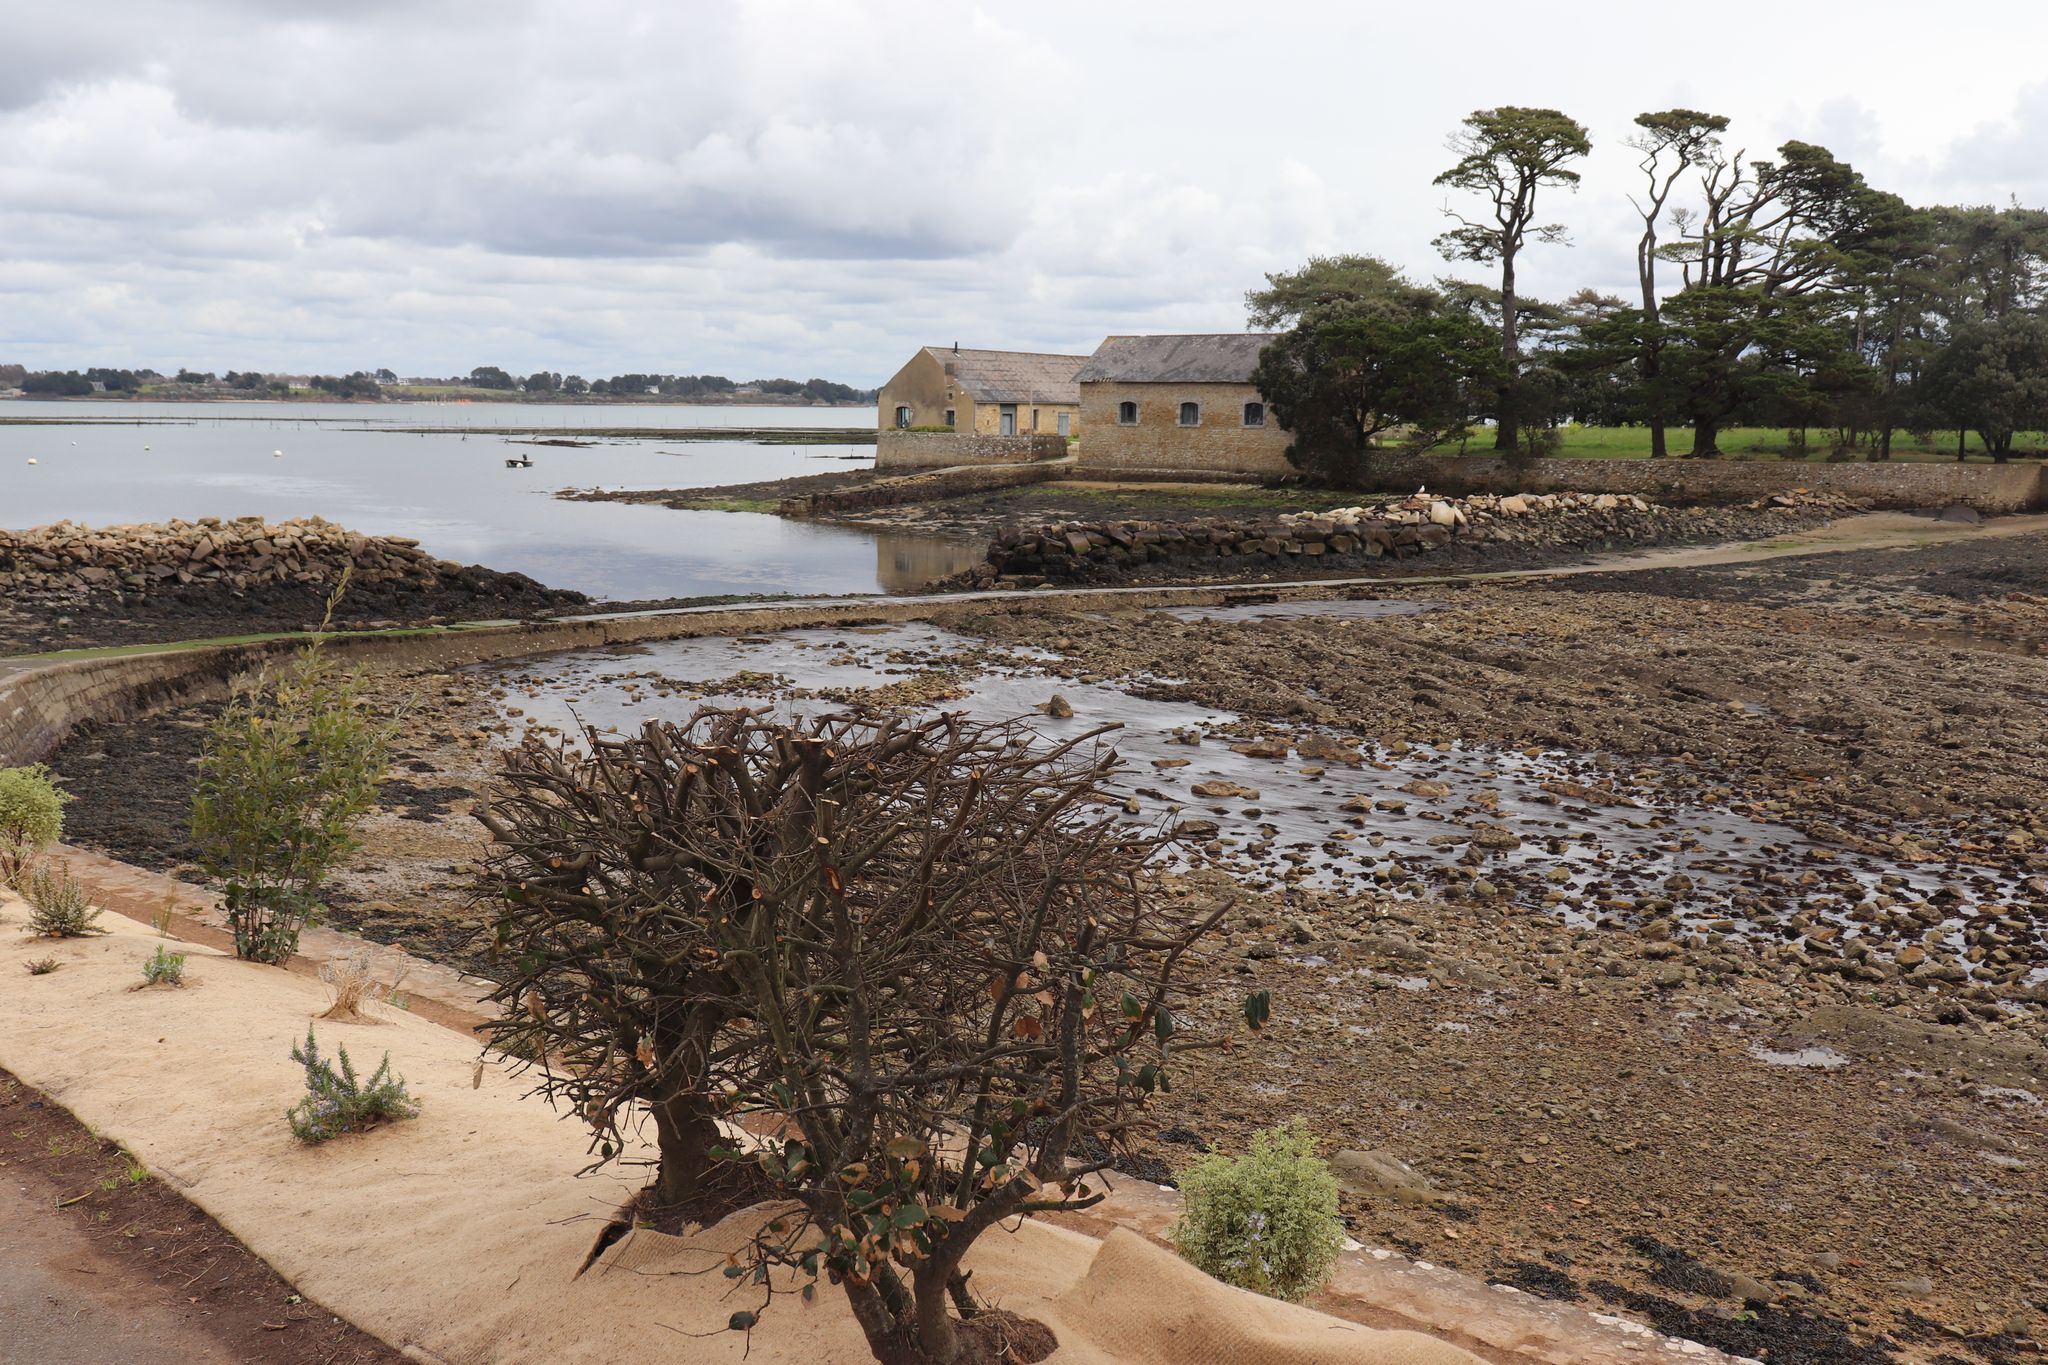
[
  {"x": 991, "y": 393},
  {"x": 1179, "y": 402},
  {"x": 904, "y": 562}
]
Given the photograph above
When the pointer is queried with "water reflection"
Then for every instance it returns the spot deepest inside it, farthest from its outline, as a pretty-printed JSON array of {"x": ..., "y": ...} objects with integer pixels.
[{"x": 904, "y": 562}]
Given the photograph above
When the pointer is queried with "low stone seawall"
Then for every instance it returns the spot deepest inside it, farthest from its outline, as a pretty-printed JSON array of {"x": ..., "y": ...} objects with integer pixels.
[
  {"x": 931, "y": 486},
  {"x": 943, "y": 449},
  {"x": 1894, "y": 485},
  {"x": 1093, "y": 550},
  {"x": 71, "y": 558}
]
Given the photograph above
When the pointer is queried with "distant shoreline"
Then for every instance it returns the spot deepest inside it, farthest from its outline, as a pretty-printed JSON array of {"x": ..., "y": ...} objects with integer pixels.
[{"x": 475, "y": 396}]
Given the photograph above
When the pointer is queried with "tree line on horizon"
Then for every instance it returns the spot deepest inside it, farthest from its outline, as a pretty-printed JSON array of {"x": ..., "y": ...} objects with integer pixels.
[
  {"x": 1779, "y": 291},
  {"x": 372, "y": 384}
]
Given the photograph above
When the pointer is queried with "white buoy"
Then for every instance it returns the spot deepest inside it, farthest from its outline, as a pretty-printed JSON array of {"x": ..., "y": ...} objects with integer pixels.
[
  {"x": 31, "y": 459},
  {"x": 145, "y": 447},
  {"x": 277, "y": 454}
]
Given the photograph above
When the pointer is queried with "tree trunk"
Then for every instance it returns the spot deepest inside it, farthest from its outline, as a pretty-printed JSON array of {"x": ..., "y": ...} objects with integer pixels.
[
  {"x": 887, "y": 1341},
  {"x": 1705, "y": 439},
  {"x": 1882, "y": 451},
  {"x": 1962, "y": 443},
  {"x": 685, "y": 1133},
  {"x": 1507, "y": 431},
  {"x": 937, "y": 1332}
]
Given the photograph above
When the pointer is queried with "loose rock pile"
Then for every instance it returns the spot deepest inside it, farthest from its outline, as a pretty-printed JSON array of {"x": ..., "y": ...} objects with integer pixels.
[
  {"x": 72, "y": 562},
  {"x": 1396, "y": 528}
]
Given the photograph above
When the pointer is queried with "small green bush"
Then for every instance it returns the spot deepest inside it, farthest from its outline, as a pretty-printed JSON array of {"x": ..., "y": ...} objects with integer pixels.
[
  {"x": 57, "y": 907},
  {"x": 1266, "y": 1221},
  {"x": 163, "y": 969},
  {"x": 42, "y": 966},
  {"x": 287, "y": 773},
  {"x": 337, "y": 1102},
  {"x": 31, "y": 817}
]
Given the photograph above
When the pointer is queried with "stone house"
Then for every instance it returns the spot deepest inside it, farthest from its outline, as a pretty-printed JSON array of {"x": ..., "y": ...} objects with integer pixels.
[
  {"x": 986, "y": 393},
  {"x": 1182, "y": 403}
]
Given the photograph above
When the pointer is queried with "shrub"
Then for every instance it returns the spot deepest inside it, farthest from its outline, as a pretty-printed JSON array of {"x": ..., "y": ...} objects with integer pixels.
[
  {"x": 919, "y": 953},
  {"x": 57, "y": 907},
  {"x": 287, "y": 773},
  {"x": 31, "y": 817},
  {"x": 163, "y": 969},
  {"x": 42, "y": 966},
  {"x": 337, "y": 1102},
  {"x": 353, "y": 980},
  {"x": 1266, "y": 1221}
]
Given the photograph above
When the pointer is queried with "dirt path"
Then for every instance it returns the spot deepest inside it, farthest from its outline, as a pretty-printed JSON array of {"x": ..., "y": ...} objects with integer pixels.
[
  {"x": 62, "y": 1303},
  {"x": 103, "y": 1264}
]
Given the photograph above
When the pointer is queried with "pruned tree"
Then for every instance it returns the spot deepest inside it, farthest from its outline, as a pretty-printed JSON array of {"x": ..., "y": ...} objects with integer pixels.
[
  {"x": 1346, "y": 284},
  {"x": 918, "y": 957},
  {"x": 1507, "y": 155},
  {"x": 1672, "y": 142}
]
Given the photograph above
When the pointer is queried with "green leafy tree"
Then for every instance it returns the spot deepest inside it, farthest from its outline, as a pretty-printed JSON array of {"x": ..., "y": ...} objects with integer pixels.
[
  {"x": 1333, "y": 284},
  {"x": 1992, "y": 377},
  {"x": 1769, "y": 238},
  {"x": 286, "y": 775},
  {"x": 1507, "y": 155},
  {"x": 1338, "y": 383}
]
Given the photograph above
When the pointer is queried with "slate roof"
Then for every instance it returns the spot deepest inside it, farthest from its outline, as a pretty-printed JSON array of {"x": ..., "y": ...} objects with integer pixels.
[
  {"x": 1013, "y": 376},
  {"x": 1200, "y": 358}
]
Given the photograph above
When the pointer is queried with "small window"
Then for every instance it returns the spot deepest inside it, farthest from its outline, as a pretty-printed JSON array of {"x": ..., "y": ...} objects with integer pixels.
[
  {"x": 1255, "y": 414},
  {"x": 1034, "y": 419},
  {"x": 1191, "y": 414},
  {"x": 1127, "y": 414},
  {"x": 903, "y": 418},
  {"x": 949, "y": 417}
]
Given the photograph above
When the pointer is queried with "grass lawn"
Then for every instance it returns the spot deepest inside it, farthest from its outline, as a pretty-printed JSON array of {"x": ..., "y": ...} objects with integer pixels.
[{"x": 1633, "y": 443}]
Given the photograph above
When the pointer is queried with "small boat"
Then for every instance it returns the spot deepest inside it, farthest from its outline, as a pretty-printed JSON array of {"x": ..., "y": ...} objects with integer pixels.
[{"x": 520, "y": 462}]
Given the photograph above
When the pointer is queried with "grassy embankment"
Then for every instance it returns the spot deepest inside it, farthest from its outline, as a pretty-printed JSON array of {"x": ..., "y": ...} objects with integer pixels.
[{"x": 1633, "y": 443}]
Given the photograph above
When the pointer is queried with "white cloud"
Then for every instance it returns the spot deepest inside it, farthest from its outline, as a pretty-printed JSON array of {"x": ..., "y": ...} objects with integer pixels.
[{"x": 815, "y": 186}]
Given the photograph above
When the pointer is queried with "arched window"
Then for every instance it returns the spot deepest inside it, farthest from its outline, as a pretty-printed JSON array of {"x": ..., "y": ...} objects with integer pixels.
[
  {"x": 1255, "y": 414},
  {"x": 1191, "y": 414},
  {"x": 1127, "y": 414},
  {"x": 903, "y": 417}
]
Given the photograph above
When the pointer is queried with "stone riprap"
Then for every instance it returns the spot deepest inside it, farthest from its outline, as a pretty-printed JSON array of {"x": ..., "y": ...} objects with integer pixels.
[
  {"x": 69, "y": 560},
  {"x": 1395, "y": 528}
]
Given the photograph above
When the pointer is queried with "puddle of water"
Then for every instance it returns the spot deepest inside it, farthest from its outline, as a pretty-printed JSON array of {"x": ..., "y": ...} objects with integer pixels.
[
  {"x": 1350, "y": 609},
  {"x": 1540, "y": 827},
  {"x": 1813, "y": 1058}
]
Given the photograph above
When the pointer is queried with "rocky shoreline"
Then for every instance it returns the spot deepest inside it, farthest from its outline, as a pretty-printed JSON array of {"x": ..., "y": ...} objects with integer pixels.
[
  {"x": 1391, "y": 529},
  {"x": 68, "y": 585}
]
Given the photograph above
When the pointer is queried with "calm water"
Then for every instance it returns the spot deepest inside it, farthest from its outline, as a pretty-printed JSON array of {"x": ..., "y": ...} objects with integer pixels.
[{"x": 452, "y": 492}]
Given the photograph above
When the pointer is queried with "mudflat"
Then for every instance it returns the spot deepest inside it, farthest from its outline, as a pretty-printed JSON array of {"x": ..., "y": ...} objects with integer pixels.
[{"x": 1671, "y": 940}]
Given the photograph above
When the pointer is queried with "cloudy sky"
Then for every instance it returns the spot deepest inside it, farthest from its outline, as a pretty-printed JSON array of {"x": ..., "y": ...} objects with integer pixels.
[{"x": 814, "y": 187}]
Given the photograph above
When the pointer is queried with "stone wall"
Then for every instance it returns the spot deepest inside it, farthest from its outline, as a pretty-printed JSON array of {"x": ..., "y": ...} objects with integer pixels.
[
  {"x": 942, "y": 449},
  {"x": 1095, "y": 551},
  {"x": 931, "y": 486},
  {"x": 1157, "y": 440},
  {"x": 1899, "y": 484}
]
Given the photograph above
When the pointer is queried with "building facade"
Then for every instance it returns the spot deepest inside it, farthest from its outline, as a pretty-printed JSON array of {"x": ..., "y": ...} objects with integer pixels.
[
  {"x": 1179, "y": 403},
  {"x": 986, "y": 393}
]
